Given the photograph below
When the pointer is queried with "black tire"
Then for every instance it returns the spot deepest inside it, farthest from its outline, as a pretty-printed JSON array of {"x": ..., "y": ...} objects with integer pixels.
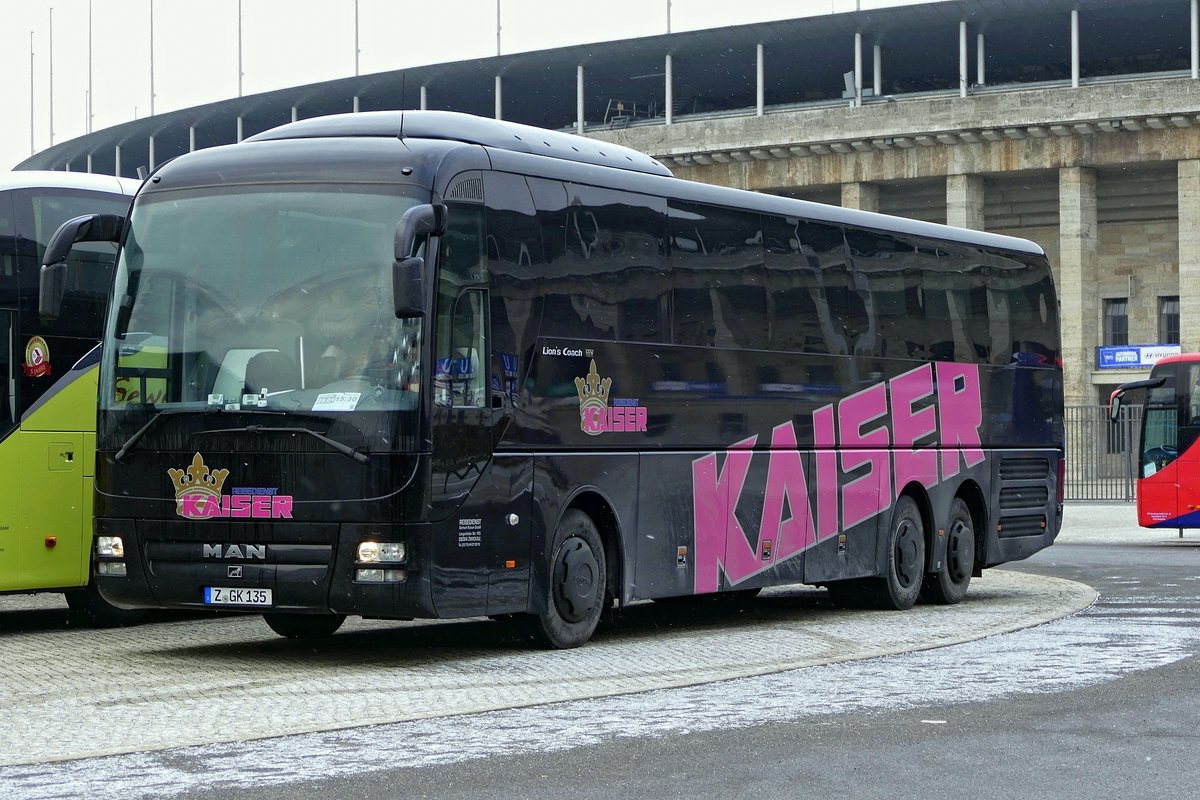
[
  {"x": 901, "y": 583},
  {"x": 576, "y": 592},
  {"x": 89, "y": 608},
  {"x": 949, "y": 584},
  {"x": 304, "y": 626}
]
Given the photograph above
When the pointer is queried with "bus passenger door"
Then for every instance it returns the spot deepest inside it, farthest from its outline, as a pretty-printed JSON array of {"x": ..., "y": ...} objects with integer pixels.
[
  {"x": 10, "y": 510},
  {"x": 52, "y": 493},
  {"x": 1187, "y": 475}
]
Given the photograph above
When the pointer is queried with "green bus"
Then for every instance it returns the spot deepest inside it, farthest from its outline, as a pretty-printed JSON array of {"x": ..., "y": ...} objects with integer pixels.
[{"x": 48, "y": 388}]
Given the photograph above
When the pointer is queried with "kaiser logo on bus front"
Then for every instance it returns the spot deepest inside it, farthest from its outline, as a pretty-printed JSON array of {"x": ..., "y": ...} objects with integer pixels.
[
  {"x": 595, "y": 414},
  {"x": 198, "y": 496}
]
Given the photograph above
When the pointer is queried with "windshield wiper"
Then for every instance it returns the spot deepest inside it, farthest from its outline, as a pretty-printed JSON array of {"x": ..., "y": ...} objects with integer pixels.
[
  {"x": 150, "y": 423},
  {"x": 344, "y": 449}
]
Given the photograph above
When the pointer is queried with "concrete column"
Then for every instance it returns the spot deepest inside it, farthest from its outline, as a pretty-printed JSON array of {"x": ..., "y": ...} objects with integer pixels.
[
  {"x": 669, "y": 87},
  {"x": 1189, "y": 255},
  {"x": 979, "y": 60},
  {"x": 1075, "y": 48},
  {"x": 858, "y": 67},
  {"x": 963, "y": 72},
  {"x": 964, "y": 201},
  {"x": 863, "y": 196},
  {"x": 1195, "y": 39},
  {"x": 579, "y": 99},
  {"x": 499, "y": 97},
  {"x": 759, "y": 91},
  {"x": 877, "y": 65},
  {"x": 1078, "y": 281}
]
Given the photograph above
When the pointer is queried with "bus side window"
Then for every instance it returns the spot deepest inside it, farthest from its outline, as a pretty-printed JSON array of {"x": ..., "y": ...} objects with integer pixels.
[
  {"x": 459, "y": 370},
  {"x": 516, "y": 265}
]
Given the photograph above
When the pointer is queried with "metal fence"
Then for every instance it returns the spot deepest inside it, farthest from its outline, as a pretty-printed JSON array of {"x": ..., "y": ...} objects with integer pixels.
[{"x": 1100, "y": 453}]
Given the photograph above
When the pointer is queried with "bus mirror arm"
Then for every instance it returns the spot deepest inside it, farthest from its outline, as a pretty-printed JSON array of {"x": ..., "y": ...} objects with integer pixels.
[
  {"x": 53, "y": 278},
  {"x": 1114, "y": 400}
]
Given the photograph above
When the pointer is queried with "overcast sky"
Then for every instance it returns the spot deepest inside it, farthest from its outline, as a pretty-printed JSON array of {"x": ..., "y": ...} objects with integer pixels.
[{"x": 289, "y": 43}]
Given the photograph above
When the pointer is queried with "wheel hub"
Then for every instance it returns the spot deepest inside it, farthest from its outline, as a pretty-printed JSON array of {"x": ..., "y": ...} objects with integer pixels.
[{"x": 575, "y": 580}]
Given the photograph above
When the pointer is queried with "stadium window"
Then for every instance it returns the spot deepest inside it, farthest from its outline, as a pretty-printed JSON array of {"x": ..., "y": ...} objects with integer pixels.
[
  {"x": 1168, "y": 320},
  {"x": 1116, "y": 321}
]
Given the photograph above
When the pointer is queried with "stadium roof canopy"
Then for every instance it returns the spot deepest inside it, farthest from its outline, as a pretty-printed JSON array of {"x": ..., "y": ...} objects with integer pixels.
[{"x": 714, "y": 72}]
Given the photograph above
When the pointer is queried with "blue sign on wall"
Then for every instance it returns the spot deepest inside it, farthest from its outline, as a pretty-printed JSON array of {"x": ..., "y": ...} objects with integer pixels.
[{"x": 1133, "y": 355}]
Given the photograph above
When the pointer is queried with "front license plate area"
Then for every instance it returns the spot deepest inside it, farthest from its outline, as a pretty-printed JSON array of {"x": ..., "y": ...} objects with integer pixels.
[{"x": 239, "y": 596}]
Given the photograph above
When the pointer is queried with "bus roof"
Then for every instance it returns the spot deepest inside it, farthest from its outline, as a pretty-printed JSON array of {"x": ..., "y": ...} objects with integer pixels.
[
  {"x": 1179, "y": 358},
  {"x": 458, "y": 127},
  {"x": 37, "y": 179},
  {"x": 511, "y": 146}
]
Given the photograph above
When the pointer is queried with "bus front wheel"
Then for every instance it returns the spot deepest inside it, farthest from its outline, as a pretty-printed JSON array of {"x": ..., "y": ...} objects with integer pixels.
[
  {"x": 949, "y": 584},
  {"x": 304, "y": 626},
  {"x": 90, "y": 608},
  {"x": 576, "y": 591}
]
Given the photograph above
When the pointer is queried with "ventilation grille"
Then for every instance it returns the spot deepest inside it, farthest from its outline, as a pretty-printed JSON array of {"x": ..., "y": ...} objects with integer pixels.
[
  {"x": 1030, "y": 525},
  {"x": 1024, "y": 497},
  {"x": 467, "y": 189},
  {"x": 1024, "y": 469}
]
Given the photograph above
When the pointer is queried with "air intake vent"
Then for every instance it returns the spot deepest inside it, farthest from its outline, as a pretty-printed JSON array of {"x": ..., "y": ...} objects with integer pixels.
[
  {"x": 1024, "y": 469},
  {"x": 467, "y": 189},
  {"x": 1024, "y": 497},
  {"x": 1032, "y": 525}
]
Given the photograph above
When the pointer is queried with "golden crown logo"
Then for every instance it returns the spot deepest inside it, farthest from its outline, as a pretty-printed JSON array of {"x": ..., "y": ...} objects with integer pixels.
[
  {"x": 197, "y": 487},
  {"x": 593, "y": 400}
]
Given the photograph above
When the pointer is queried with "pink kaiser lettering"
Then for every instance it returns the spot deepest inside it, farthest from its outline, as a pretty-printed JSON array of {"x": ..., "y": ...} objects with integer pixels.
[{"x": 885, "y": 437}]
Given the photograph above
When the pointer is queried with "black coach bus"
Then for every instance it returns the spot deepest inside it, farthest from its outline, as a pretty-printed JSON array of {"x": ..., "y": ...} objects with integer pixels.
[{"x": 423, "y": 364}]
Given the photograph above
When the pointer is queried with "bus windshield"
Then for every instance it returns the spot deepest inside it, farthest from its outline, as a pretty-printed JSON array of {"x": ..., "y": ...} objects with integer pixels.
[{"x": 275, "y": 297}]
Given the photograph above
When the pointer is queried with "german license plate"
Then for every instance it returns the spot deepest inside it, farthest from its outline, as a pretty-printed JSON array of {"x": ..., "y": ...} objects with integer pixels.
[{"x": 240, "y": 596}]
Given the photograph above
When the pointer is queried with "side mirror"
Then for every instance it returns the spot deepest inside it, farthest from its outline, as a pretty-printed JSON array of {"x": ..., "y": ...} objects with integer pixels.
[
  {"x": 408, "y": 287},
  {"x": 53, "y": 278},
  {"x": 408, "y": 270},
  {"x": 1114, "y": 405}
]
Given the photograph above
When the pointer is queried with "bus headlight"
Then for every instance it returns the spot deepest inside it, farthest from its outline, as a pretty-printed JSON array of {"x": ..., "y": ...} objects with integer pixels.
[
  {"x": 381, "y": 553},
  {"x": 110, "y": 546}
]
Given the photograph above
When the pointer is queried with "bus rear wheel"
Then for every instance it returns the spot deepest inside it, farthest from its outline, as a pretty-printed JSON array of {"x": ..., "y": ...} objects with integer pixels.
[
  {"x": 901, "y": 583},
  {"x": 576, "y": 591},
  {"x": 949, "y": 584},
  {"x": 304, "y": 626}
]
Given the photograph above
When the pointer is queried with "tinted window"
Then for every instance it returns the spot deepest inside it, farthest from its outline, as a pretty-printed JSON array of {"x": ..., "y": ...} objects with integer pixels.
[
  {"x": 816, "y": 306},
  {"x": 607, "y": 275},
  {"x": 89, "y": 265},
  {"x": 720, "y": 295},
  {"x": 515, "y": 262}
]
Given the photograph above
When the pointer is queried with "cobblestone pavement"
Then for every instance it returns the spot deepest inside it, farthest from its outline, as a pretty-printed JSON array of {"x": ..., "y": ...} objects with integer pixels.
[{"x": 73, "y": 692}]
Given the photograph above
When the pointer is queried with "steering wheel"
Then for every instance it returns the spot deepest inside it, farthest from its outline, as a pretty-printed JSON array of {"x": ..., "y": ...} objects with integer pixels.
[{"x": 1161, "y": 456}]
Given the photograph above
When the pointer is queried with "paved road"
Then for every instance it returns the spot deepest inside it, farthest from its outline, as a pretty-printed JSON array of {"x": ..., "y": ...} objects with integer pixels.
[{"x": 225, "y": 679}]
